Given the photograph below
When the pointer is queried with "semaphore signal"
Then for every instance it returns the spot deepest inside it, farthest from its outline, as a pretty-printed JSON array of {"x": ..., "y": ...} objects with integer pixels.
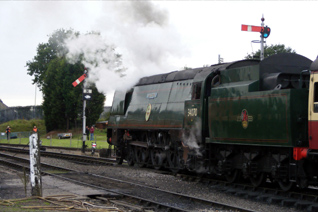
[
  {"x": 265, "y": 31},
  {"x": 86, "y": 96},
  {"x": 79, "y": 80},
  {"x": 251, "y": 28}
]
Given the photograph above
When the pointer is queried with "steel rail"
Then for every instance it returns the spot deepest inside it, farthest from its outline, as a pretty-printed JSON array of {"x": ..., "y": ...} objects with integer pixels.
[
  {"x": 170, "y": 207},
  {"x": 94, "y": 160}
]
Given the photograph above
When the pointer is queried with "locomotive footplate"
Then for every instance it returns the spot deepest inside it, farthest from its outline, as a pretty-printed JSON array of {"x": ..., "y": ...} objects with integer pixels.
[{"x": 139, "y": 143}]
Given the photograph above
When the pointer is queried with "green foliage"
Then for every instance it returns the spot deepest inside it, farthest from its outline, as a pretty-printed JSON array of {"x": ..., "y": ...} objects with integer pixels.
[
  {"x": 62, "y": 103},
  {"x": 46, "y": 52},
  {"x": 76, "y": 142},
  {"x": 94, "y": 107},
  {"x": 104, "y": 116},
  {"x": 21, "y": 125},
  {"x": 270, "y": 50}
]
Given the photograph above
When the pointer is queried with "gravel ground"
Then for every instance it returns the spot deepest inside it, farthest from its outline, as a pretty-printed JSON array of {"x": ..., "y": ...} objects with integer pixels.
[
  {"x": 169, "y": 182},
  {"x": 172, "y": 183}
]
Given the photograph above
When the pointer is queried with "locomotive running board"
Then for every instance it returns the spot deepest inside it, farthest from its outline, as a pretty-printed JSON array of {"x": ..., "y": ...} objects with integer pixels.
[{"x": 139, "y": 143}]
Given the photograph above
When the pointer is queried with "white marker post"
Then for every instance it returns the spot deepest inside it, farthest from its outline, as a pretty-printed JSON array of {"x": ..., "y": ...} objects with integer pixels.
[{"x": 35, "y": 168}]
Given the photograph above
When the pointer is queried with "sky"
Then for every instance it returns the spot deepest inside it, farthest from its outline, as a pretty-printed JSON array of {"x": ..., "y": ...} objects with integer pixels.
[{"x": 153, "y": 37}]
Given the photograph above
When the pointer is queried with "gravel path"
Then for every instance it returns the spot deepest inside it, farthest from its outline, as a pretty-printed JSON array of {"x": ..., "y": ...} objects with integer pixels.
[{"x": 172, "y": 183}]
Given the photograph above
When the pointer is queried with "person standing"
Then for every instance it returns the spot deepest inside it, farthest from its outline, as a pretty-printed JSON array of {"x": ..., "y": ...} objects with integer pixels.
[
  {"x": 8, "y": 131},
  {"x": 35, "y": 130},
  {"x": 127, "y": 137},
  {"x": 87, "y": 131},
  {"x": 92, "y": 133}
]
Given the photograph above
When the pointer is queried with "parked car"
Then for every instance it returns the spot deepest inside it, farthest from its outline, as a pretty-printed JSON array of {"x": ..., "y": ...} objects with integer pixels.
[{"x": 64, "y": 135}]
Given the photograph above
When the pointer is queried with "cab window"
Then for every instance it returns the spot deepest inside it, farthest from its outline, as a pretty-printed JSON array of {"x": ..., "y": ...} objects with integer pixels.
[
  {"x": 316, "y": 97},
  {"x": 196, "y": 90}
]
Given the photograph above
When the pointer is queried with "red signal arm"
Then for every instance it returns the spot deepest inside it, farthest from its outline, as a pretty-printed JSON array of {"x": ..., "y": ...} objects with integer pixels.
[
  {"x": 251, "y": 28},
  {"x": 79, "y": 80}
]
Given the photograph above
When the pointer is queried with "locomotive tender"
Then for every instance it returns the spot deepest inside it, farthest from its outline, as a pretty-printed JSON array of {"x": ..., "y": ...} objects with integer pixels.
[{"x": 249, "y": 118}]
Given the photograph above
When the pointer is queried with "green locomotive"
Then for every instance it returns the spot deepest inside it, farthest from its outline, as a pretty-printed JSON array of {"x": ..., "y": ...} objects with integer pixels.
[{"x": 249, "y": 118}]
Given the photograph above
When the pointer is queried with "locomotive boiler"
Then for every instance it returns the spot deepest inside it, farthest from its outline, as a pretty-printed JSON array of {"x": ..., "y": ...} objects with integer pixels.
[{"x": 249, "y": 118}]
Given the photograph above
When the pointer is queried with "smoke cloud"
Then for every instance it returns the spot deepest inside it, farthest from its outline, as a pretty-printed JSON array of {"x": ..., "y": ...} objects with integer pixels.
[{"x": 137, "y": 30}]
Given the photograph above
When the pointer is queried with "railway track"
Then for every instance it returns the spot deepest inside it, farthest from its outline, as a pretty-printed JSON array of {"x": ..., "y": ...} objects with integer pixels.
[
  {"x": 76, "y": 158},
  {"x": 299, "y": 199},
  {"x": 154, "y": 197},
  {"x": 47, "y": 147}
]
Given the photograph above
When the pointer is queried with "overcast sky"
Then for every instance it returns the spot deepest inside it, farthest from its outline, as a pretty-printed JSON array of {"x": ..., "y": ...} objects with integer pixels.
[{"x": 152, "y": 36}]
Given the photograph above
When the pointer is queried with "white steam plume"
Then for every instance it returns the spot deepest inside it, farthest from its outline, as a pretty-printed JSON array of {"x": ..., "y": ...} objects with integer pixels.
[
  {"x": 98, "y": 56},
  {"x": 192, "y": 139},
  {"x": 140, "y": 32}
]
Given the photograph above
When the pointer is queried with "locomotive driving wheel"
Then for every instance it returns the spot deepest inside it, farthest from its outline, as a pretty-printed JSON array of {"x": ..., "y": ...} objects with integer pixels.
[
  {"x": 232, "y": 176},
  {"x": 141, "y": 156},
  {"x": 285, "y": 185},
  {"x": 157, "y": 158},
  {"x": 174, "y": 158},
  {"x": 119, "y": 158},
  {"x": 157, "y": 154},
  {"x": 131, "y": 156},
  {"x": 257, "y": 179}
]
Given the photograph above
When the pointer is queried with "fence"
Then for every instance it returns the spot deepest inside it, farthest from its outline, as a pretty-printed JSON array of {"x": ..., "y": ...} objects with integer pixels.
[
  {"x": 15, "y": 135},
  {"x": 28, "y": 113},
  {"x": 53, "y": 140}
]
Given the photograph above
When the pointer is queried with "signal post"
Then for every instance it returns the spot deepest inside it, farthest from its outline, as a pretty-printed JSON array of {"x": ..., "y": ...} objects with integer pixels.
[
  {"x": 86, "y": 96},
  {"x": 265, "y": 31}
]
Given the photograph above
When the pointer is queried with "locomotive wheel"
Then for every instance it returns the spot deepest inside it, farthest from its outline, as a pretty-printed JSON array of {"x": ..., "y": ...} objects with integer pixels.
[
  {"x": 131, "y": 156},
  {"x": 157, "y": 158},
  {"x": 258, "y": 179},
  {"x": 232, "y": 176},
  {"x": 141, "y": 157},
  {"x": 286, "y": 185},
  {"x": 174, "y": 158},
  {"x": 119, "y": 158}
]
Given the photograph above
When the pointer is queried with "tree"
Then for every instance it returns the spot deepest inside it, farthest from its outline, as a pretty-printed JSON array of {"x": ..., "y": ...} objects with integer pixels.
[
  {"x": 62, "y": 102},
  {"x": 94, "y": 107},
  {"x": 46, "y": 52},
  {"x": 53, "y": 74},
  {"x": 270, "y": 50}
]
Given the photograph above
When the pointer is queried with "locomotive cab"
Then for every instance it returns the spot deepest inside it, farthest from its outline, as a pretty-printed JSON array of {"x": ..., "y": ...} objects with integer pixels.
[{"x": 313, "y": 107}]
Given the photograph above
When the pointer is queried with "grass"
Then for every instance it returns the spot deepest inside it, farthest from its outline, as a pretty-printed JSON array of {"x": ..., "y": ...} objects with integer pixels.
[
  {"x": 22, "y": 125},
  {"x": 74, "y": 142},
  {"x": 50, "y": 139}
]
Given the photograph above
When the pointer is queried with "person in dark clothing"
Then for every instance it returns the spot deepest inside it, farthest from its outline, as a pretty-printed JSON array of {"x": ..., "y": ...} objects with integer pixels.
[
  {"x": 127, "y": 136},
  {"x": 87, "y": 132},
  {"x": 8, "y": 131}
]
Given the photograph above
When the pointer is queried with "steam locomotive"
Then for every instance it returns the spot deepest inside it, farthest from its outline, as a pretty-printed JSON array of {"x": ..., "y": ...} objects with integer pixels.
[{"x": 249, "y": 118}]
